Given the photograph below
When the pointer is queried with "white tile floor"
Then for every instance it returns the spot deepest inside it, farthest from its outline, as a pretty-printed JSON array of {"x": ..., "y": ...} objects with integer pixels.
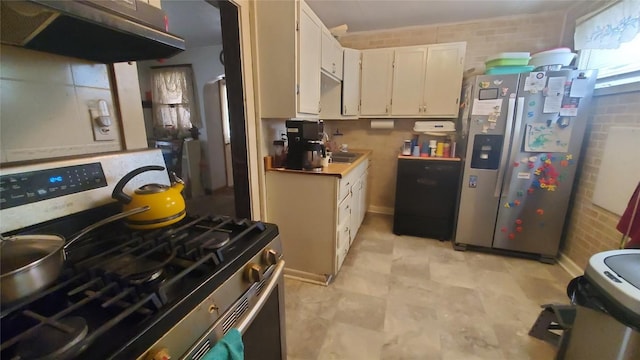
[{"x": 403, "y": 297}]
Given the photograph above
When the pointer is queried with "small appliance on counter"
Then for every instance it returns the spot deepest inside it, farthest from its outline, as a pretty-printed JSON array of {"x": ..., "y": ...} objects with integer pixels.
[{"x": 305, "y": 144}]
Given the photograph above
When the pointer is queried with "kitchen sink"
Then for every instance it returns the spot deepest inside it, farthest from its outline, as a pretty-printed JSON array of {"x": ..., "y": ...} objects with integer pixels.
[{"x": 344, "y": 157}]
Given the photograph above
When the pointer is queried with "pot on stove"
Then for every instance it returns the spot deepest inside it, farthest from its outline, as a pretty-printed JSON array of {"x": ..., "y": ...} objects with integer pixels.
[{"x": 166, "y": 203}]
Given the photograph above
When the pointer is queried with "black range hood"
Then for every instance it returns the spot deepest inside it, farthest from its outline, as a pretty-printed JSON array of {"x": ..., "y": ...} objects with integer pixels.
[{"x": 104, "y": 31}]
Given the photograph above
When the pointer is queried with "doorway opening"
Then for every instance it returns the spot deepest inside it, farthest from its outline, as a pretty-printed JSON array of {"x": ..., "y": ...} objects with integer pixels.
[{"x": 214, "y": 150}]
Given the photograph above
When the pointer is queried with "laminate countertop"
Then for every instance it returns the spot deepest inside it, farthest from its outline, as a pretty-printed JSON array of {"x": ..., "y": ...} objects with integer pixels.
[{"x": 338, "y": 169}]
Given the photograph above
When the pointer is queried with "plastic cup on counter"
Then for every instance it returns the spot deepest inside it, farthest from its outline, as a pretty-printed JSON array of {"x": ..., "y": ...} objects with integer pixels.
[{"x": 416, "y": 151}]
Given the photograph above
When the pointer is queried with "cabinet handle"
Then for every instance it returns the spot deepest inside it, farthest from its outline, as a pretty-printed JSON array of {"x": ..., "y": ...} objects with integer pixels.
[
  {"x": 386, "y": 111},
  {"x": 345, "y": 109}
]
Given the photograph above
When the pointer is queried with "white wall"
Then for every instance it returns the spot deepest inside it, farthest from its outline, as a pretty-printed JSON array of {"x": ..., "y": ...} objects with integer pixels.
[
  {"x": 206, "y": 67},
  {"x": 44, "y": 105}
]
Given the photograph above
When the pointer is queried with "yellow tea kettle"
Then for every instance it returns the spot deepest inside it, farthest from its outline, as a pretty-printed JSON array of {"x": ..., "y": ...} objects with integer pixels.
[{"x": 166, "y": 204}]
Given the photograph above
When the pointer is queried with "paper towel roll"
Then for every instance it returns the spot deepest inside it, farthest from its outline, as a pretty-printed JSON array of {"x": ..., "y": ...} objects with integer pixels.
[{"x": 382, "y": 124}]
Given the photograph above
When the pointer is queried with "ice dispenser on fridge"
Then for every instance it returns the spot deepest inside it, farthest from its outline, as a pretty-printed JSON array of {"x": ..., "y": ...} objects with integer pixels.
[{"x": 486, "y": 152}]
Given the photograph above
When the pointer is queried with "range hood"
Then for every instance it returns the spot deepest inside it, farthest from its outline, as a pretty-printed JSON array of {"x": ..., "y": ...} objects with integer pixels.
[{"x": 104, "y": 31}]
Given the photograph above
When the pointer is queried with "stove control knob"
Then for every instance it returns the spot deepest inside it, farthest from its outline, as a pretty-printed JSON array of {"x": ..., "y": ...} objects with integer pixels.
[
  {"x": 253, "y": 273},
  {"x": 158, "y": 354},
  {"x": 270, "y": 256}
]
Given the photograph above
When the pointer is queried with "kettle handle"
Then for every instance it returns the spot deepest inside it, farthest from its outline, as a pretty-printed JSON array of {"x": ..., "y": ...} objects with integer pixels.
[{"x": 118, "y": 192}]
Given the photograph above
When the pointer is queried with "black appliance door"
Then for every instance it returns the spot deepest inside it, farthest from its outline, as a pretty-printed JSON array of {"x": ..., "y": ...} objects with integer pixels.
[
  {"x": 262, "y": 338},
  {"x": 426, "y": 196}
]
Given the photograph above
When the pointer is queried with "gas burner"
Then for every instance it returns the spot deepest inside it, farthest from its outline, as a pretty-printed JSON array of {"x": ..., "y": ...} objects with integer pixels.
[
  {"x": 54, "y": 340},
  {"x": 218, "y": 239},
  {"x": 139, "y": 269}
]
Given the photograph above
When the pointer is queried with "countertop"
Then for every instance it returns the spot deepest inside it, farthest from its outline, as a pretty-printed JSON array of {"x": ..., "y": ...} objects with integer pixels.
[
  {"x": 334, "y": 169},
  {"x": 409, "y": 157}
]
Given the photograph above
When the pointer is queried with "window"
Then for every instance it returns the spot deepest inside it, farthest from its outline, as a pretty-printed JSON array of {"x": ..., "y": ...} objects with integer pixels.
[
  {"x": 609, "y": 40},
  {"x": 174, "y": 108}
]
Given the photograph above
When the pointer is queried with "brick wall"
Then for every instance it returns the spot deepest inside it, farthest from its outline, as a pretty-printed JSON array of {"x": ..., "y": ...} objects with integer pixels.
[{"x": 592, "y": 228}]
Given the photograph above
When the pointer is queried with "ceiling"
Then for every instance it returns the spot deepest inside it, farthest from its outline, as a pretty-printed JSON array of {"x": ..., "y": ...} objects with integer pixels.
[
  {"x": 198, "y": 22},
  {"x": 365, "y": 15}
]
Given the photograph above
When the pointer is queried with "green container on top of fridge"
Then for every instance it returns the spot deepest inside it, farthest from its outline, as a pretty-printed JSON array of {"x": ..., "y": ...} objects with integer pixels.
[
  {"x": 503, "y": 70},
  {"x": 507, "y": 59}
]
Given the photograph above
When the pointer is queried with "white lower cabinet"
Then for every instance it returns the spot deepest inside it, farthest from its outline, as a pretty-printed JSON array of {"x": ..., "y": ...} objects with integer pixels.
[{"x": 318, "y": 216}]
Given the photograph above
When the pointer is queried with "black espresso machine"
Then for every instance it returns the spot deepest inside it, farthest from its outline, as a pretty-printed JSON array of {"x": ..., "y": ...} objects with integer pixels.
[{"x": 303, "y": 136}]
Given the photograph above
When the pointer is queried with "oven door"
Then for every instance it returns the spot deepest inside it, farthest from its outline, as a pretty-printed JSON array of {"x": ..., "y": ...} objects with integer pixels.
[{"x": 258, "y": 315}]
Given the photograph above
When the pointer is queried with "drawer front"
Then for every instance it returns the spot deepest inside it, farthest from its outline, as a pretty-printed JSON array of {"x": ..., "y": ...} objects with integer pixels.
[
  {"x": 344, "y": 209},
  {"x": 345, "y": 185},
  {"x": 348, "y": 181}
]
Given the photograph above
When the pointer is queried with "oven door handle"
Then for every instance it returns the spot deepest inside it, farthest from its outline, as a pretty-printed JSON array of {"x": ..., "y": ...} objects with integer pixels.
[{"x": 247, "y": 319}]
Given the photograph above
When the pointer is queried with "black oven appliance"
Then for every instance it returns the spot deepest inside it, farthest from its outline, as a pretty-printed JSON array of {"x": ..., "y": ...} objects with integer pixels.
[{"x": 133, "y": 294}]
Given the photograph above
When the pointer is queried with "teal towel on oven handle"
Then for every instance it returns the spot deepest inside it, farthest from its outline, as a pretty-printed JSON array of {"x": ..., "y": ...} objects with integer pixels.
[{"x": 230, "y": 347}]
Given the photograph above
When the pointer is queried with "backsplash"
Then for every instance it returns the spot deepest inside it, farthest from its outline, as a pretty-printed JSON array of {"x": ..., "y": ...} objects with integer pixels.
[{"x": 45, "y": 105}]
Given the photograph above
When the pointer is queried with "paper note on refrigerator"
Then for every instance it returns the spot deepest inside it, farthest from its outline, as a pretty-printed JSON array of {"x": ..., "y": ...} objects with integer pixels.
[
  {"x": 486, "y": 107},
  {"x": 543, "y": 138},
  {"x": 535, "y": 82},
  {"x": 580, "y": 88},
  {"x": 555, "y": 86},
  {"x": 552, "y": 103}
]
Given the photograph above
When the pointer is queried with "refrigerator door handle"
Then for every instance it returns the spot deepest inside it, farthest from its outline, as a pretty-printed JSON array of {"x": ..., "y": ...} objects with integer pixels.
[
  {"x": 505, "y": 145},
  {"x": 518, "y": 144}
]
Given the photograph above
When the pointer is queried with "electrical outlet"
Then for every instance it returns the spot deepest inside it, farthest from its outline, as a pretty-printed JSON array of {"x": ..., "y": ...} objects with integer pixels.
[{"x": 101, "y": 122}]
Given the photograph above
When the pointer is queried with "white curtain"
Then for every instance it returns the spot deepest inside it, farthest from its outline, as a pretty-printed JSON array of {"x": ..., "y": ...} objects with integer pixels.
[
  {"x": 617, "y": 23},
  {"x": 173, "y": 100}
]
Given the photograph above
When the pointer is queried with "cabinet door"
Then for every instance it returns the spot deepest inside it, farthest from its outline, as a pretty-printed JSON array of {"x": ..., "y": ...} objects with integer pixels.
[
  {"x": 355, "y": 210},
  {"x": 331, "y": 55},
  {"x": 377, "y": 75},
  {"x": 408, "y": 81},
  {"x": 309, "y": 57},
  {"x": 342, "y": 244},
  {"x": 363, "y": 196},
  {"x": 351, "y": 82},
  {"x": 443, "y": 79},
  {"x": 338, "y": 58}
]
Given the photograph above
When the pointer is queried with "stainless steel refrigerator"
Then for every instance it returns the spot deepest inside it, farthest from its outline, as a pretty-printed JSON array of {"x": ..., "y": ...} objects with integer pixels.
[{"x": 521, "y": 137}]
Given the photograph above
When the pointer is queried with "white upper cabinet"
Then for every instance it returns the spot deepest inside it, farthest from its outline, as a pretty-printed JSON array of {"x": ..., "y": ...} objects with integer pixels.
[
  {"x": 426, "y": 81},
  {"x": 309, "y": 57},
  {"x": 408, "y": 76},
  {"x": 443, "y": 79},
  {"x": 331, "y": 55},
  {"x": 288, "y": 59},
  {"x": 377, "y": 75},
  {"x": 351, "y": 82}
]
